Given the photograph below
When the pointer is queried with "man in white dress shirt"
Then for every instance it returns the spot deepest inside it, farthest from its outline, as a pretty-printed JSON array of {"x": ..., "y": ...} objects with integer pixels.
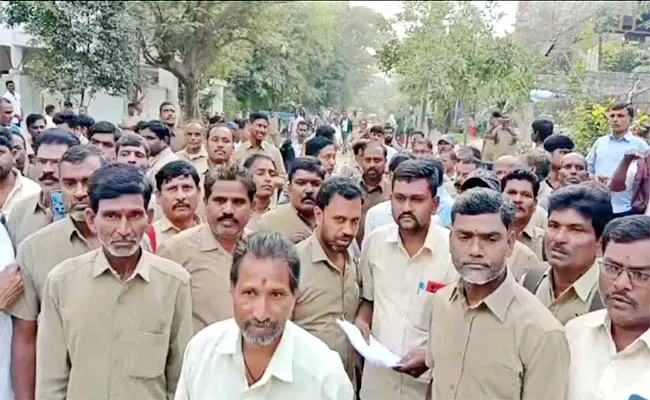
[
  {"x": 6, "y": 259},
  {"x": 610, "y": 349},
  {"x": 260, "y": 354}
]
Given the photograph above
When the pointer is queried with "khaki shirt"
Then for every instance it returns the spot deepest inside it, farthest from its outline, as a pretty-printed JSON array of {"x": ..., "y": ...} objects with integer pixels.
[
  {"x": 28, "y": 216},
  {"x": 54, "y": 98},
  {"x": 504, "y": 144},
  {"x": 327, "y": 294},
  {"x": 521, "y": 261},
  {"x": 209, "y": 264},
  {"x": 156, "y": 163},
  {"x": 37, "y": 255},
  {"x": 371, "y": 197},
  {"x": 199, "y": 160},
  {"x": 284, "y": 220},
  {"x": 396, "y": 285},
  {"x": 533, "y": 237},
  {"x": 107, "y": 338},
  {"x": 165, "y": 230},
  {"x": 176, "y": 139},
  {"x": 539, "y": 219},
  {"x": 253, "y": 224},
  {"x": 247, "y": 149},
  {"x": 507, "y": 347},
  {"x": 575, "y": 300},
  {"x": 23, "y": 188}
]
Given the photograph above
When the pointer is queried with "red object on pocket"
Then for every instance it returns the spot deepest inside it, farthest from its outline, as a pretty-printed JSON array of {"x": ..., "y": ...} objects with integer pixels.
[{"x": 433, "y": 286}]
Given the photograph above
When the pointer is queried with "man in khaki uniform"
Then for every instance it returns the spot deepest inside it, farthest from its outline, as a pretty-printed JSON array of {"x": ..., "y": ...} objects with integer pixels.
[
  {"x": 296, "y": 219},
  {"x": 177, "y": 193},
  {"x": 376, "y": 188},
  {"x": 329, "y": 281},
  {"x": 33, "y": 212},
  {"x": 167, "y": 114},
  {"x": 52, "y": 97},
  {"x": 401, "y": 266},
  {"x": 220, "y": 146},
  {"x": 522, "y": 187},
  {"x": 194, "y": 150},
  {"x": 489, "y": 338},
  {"x": 116, "y": 320},
  {"x": 501, "y": 139},
  {"x": 157, "y": 135},
  {"x": 577, "y": 217},
  {"x": 42, "y": 250},
  {"x": 206, "y": 251},
  {"x": 259, "y": 125}
]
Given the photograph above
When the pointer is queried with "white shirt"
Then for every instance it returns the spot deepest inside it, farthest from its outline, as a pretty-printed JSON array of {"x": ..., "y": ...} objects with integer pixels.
[
  {"x": 23, "y": 188},
  {"x": 49, "y": 123},
  {"x": 390, "y": 152},
  {"x": 16, "y": 103},
  {"x": 6, "y": 258},
  {"x": 597, "y": 371},
  {"x": 302, "y": 367},
  {"x": 338, "y": 137}
]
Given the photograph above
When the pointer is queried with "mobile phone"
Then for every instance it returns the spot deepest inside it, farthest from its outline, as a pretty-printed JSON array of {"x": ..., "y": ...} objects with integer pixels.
[{"x": 57, "y": 206}]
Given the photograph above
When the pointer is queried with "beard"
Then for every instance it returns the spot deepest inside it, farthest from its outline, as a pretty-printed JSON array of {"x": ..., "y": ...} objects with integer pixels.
[
  {"x": 274, "y": 331},
  {"x": 479, "y": 276},
  {"x": 119, "y": 252}
]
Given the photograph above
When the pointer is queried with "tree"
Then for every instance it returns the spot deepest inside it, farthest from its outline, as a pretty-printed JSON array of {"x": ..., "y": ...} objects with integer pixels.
[
  {"x": 184, "y": 37},
  {"x": 451, "y": 56},
  {"x": 86, "y": 46}
]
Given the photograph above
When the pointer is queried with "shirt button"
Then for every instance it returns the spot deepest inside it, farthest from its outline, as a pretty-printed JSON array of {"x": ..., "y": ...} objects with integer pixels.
[{"x": 452, "y": 387}]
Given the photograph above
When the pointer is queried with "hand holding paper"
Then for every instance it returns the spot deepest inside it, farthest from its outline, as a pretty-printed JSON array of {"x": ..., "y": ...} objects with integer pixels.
[{"x": 373, "y": 351}]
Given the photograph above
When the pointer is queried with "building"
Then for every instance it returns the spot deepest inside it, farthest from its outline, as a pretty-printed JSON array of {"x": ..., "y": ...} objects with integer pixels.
[{"x": 15, "y": 50}]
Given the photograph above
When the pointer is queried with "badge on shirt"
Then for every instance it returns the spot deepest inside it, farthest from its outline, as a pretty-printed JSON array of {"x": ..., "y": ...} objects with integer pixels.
[{"x": 430, "y": 286}]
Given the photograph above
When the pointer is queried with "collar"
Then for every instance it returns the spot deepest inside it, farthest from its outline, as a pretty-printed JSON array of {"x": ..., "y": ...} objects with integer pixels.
[
  {"x": 249, "y": 145},
  {"x": 165, "y": 153},
  {"x": 71, "y": 230},
  {"x": 529, "y": 230},
  {"x": 626, "y": 138},
  {"x": 207, "y": 240},
  {"x": 39, "y": 204},
  {"x": 429, "y": 242},
  {"x": 318, "y": 253},
  {"x": 281, "y": 364},
  {"x": 203, "y": 153},
  {"x": 497, "y": 302},
  {"x": 165, "y": 224},
  {"x": 381, "y": 186},
  {"x": 18, "y": 184},
  {"x": 583, "y": 286},
  {"x": 601, "y": 320},
  {"x": 102, "y": 265}
]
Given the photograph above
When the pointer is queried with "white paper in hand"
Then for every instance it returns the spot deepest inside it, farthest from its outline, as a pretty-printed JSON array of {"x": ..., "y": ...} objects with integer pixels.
[{"x": 374, "y": 352}]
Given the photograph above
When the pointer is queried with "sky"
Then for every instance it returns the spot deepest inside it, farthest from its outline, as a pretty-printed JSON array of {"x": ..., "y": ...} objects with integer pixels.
[{"x": 390, "y": 8}]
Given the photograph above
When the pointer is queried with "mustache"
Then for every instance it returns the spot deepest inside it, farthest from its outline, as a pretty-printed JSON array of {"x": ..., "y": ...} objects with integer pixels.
[
  {"x": 227, "y": 218},
  {"x": 309, "y": 197},
  {"x": 181, "y": 204},
  {"x": 260, "y": 324},
  {"x": 559, "y": 248},
  {"x": 466, "y": 263},
  {"x": 405, "y": 215},
  {"x": 47, "y": 177}
]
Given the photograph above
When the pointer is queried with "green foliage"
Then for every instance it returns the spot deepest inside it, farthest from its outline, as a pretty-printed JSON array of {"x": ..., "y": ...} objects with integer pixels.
[
  {"x": 451, "y": 54},
  {"x": 86, "y": 46},
  {"x": 314, "y": 54},
  {"x": 620, "y": 57},
  {"x": 586, "y": 121}
]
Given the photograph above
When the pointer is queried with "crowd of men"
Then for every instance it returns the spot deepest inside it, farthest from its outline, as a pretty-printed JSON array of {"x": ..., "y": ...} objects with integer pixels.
[{"x": 161, "y": 261}]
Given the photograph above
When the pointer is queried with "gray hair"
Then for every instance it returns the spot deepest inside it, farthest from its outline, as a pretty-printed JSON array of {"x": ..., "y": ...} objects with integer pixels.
[
  {"x": 267, "y": 245},
  {"x": 479, "y": 201}
]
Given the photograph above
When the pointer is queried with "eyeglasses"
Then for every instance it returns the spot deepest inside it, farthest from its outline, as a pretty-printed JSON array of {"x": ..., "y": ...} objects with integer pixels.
[{"x": 613, "y": 271}]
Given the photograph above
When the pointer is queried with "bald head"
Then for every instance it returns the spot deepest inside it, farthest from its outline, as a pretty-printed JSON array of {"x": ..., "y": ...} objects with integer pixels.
[
  {"x": 507, "y": 164},
  {"x": 573, "y": 169}
]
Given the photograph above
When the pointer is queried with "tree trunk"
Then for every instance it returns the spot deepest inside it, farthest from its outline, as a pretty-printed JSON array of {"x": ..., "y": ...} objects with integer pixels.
[{"x": 191, "y": 108}]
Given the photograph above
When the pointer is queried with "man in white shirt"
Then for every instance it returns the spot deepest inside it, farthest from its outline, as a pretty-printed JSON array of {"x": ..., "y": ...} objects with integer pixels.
[
  {"x": 260, "y": 354},
  {"x": 13, "y": 185},
  {"x": 610, "y": 349},
  {"x": 15, "y": 99},
  {"x": 6, "y": 328}
]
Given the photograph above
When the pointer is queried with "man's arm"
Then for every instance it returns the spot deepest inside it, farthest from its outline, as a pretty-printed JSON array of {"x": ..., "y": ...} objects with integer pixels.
[
  {"x": 52, "y": 362},
  {"x": 181, "y": 331},
  {"x": 11, "y": 286},
  {"x": 547, "y": 369},
  {"x": 617, "y": 183},
  {"x": 23, "y": 360}
]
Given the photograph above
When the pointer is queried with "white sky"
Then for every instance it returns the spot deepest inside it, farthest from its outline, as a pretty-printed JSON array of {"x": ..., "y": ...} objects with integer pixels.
[{"x": 390, "y": 8}]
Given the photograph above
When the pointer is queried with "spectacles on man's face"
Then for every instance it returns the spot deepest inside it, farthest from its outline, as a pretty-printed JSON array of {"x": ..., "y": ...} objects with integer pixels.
[{"x": 638, "y": 277}]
